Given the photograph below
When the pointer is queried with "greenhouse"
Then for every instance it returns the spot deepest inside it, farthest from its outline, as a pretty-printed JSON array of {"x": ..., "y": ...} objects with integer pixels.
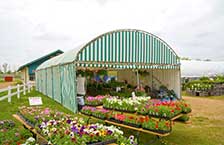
[{"x": 126, "y": 51}]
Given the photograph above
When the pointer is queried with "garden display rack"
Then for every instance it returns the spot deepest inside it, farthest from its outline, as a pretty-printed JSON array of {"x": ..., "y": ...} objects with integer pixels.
[{"x": 158, "y": 135}]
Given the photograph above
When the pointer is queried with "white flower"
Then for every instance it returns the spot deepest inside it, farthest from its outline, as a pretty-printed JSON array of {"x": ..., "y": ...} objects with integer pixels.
[{"x": 30, "y": 140}]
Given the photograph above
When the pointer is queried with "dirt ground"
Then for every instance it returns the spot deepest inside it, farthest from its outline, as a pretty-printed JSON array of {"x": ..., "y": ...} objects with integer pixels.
[
  {"x": 206, "y": 107},
  {"x": 6, "y": 84}
]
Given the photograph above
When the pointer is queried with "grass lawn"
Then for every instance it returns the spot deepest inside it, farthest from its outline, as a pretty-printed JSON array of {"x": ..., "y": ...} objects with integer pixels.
[{"x": 202, "y": 130}]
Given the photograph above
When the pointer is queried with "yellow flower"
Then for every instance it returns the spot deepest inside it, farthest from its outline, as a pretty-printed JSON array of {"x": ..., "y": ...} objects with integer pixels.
[{"x": 122, "y": 143}]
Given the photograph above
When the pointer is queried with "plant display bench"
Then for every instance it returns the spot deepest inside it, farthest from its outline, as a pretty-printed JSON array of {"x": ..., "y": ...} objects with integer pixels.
[
  {"x": 139, "y": 130},
  {"x": 39, "y": 138}
]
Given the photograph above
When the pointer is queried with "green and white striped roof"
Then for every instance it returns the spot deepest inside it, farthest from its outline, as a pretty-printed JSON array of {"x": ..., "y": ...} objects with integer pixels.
[{"x": 126, "y": 48}]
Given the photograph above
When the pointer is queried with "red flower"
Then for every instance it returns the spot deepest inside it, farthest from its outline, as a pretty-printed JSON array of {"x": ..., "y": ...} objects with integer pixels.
[
  {"x": 157, "y": 126},
  {"x": 131, "y": 117},
  {"x": 120, "y": 117},
  {"x": 167, "y": 124},
  {"x": 74, "y": 139},
  {"x": 142, "y": 119}
]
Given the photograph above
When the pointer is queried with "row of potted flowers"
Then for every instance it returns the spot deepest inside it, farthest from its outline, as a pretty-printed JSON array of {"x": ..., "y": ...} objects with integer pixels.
[
  {"x": 165, "y": 110},
  {"x": 95, "y": 101},
  {"x": 61, "y": 128},
  {"x": 125, "y": 104},
  {"x": 96, "y": 112},
  {"x": 144, "y": 122},
  {"x": 130, "y": 120}
]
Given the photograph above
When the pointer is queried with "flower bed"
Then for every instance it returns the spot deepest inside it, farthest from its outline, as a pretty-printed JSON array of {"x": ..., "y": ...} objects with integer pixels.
[
  {"x": 6, "y": 124},
  {"x": 12, "y": 135},
  {"x": 74, "y": 131},
  {"x": 60, "y": 128},
  {"x": 145, "y": 122},
  {"x": 88, "y": 110},
  {"x": 157, "y": 126},
  {"x": 124, "y": 105},
  {"x": 186, "y": 108},
  {"x": 94, "y": 101},
  {"x": 101, "y": 113},
  {"x": 165, "y": 110}
]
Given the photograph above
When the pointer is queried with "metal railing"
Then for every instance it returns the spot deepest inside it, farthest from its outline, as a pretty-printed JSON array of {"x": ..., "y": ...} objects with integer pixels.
[{"x": 16, "y": 90}]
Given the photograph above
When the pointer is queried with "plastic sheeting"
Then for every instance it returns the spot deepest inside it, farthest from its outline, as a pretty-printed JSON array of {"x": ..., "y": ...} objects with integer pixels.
[{"x": 193, "y": 68}]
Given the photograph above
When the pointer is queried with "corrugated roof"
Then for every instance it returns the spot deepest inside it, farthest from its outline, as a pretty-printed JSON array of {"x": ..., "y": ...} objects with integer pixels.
[{"x": 36, "y": 60}]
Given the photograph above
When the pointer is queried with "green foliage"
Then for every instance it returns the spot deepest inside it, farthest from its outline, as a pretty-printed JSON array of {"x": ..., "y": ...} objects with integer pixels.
[
  {"x": 102, "y": 72},
  {"x": 204, "y": 83},
  {"x": 140, "y": 93},
  {"x": 204, "y": 78},
  {"x": 85, "y": 73},
  {"x": 184, "y": 118}
]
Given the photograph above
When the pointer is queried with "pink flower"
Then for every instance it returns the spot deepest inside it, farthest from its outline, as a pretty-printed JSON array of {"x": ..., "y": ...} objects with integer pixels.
[{"x": 46, "y": 111}]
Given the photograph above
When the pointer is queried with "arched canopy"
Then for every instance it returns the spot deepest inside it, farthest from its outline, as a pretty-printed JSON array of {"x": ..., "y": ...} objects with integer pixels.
[{"x": 126, "y": 48}]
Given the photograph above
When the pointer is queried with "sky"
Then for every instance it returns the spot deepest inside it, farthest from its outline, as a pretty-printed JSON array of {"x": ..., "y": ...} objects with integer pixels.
[{"x": 30, "y": 29}]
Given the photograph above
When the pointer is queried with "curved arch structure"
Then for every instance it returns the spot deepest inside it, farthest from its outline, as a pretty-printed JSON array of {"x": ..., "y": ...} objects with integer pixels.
[
  {"x": 120, "y": 49},
  {"x": 125, "y": 48},
  {"x": 128, "y": 48}
]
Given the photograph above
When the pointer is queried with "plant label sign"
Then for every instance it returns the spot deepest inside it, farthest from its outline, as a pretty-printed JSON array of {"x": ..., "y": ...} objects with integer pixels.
[{"x": 35, "y": 101}]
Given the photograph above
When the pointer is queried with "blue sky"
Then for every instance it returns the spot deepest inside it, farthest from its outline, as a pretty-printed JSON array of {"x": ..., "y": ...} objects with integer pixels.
[{"x": 30, "y": 29}]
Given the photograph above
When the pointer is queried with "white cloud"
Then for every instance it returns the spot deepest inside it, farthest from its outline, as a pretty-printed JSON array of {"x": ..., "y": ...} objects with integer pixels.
[{"x": 32, "y": 28}]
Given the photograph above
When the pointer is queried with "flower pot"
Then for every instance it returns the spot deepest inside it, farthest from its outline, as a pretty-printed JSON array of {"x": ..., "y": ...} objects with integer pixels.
[
  {"x": 132, "y": 124},
  {"x": 86, "y": 113},
  {"x": 100, "y": 117},
  {"x": 95, "y": 143},
  {"x": 157, "y": 131},
  {"x": 110, "y": 141},
  {"x": 114, "y": 120}
]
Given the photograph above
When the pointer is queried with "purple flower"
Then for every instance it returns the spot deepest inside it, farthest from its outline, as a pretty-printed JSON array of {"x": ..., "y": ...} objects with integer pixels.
[
  {"x": 74, "y": 129},
  {"x": 93, "y": 126},
  {"x": 68, "y": 121},
  {"x": 82, "y": 128},
  {"x": 109, "y": 132}
]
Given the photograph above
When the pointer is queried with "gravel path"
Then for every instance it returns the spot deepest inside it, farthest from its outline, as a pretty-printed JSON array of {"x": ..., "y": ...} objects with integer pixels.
[
  {"x": 6, "y": 84},
  {"x": 209, "y": 108}
]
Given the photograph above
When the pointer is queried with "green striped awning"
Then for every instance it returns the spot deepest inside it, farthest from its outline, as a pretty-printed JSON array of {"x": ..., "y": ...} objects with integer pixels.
[
  {"x": 128, "y": 49},
  {"x": 120, "y": 49}
]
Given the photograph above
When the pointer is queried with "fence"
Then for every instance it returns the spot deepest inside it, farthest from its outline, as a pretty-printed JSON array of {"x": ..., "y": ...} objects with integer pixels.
[{"x": 16, "y": 90}]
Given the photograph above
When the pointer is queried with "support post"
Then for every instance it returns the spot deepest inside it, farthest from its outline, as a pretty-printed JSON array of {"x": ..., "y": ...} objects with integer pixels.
[
  {"x": 28, "y": 85},
  {"x": 9, "y": 94},
  {"x": 18, "y": 91},
  {"x": 138, "y": 82},
  {"x": 24, "y": 89}
]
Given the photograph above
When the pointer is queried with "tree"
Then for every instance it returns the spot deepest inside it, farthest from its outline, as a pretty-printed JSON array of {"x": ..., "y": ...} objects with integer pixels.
[
  {"x": 185, "y": 58},
  {"x": 1, "y": 69},
  {"x": 5, "y": 67}
]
